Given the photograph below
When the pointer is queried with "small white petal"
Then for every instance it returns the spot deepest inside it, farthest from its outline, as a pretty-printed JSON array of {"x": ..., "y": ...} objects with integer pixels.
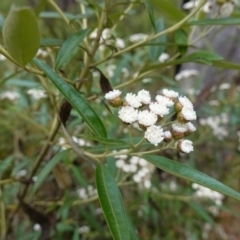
[
  {"x": 142, "y": 162},
  {"x": 120, "y": 163},
  {"x": 137, "y": 178},
  {"x": 147, "y": 184}
]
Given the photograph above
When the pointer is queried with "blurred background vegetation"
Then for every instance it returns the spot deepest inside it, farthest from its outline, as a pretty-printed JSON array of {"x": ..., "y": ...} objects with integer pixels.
[{"x": 57, "y": 210}]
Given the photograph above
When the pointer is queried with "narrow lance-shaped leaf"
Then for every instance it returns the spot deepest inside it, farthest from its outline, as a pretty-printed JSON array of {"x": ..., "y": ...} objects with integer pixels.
[
  {"x": 75, "y": 99},
  {"x": 48, "y": 168},
  {"x": 149, "y": 8},
  {"x": 203, "y": 55},
  {"x": 21, "y": 34},
  {"x": 69, "y": 47},
  {"x": 106, "y": 141},
  {"x": 219, "y": 21},
  {"x": 182, "y": 41},
  {"x": 170, "y": 9},
  {"x": 112, "y": 205},
  {"x": 191, "y": 174},
  {"x": 154, "y": 52}
]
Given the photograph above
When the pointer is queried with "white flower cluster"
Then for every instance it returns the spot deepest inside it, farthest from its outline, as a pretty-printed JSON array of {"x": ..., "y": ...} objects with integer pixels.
[
  {"x": 139, "y": 167},
  {"x": 37, "y": 94},
  {"x": 110, "y": 69},
  {"x": 203, "y": 192},
  {"x": 2, "y": 57},
  {"x": 138, "y": 37},
  {"x": 107, "y": 39},
  {"x": 41, "y": 53},
  {"x": 186, "y": 74},
  {"x": 10, "y": 95},
  {"x": 85, "y": 193},
  {"x": 84, "y": 229},
  {"x": 148, "y": 114},
  {"x": 224, "y": 7},
  {"x": 81, "y": 142},
  {"x": 217, "y": 124}
]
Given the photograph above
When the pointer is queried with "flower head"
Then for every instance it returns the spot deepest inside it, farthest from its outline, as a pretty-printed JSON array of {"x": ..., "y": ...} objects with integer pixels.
[
  {"x": 226, "y": 9},
  {"x": 164, "y": 101},
  {"x": 128, "y": 114},
  {"x": 144, "y": 96},
  {"x": 113, "y": 94},
  {"x": 179, "y": 127},
  {"x": 163, "y": 57},
  {"x": 167, "y": 136},
  {"x": 159, "y": 109},
  {"x": 190, "y": 127},
  {"x": 185, "y": 146},
  {"x": 114, "y": 97},
  {"x": 187, "y": 114},
  {"x": 154, "y": 134},
  {"x": 133, "y": 100},
  {"x": 147, "y": 118},
  {"x": 185, "y": 102},
  {"x": 170, "y": 93}
]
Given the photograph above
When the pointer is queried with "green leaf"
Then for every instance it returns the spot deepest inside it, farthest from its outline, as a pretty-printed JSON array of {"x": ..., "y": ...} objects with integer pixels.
[
  {"x": 21, "y": 34},
  {"x": 1, "y": 21},
  {"x": 190, "y": 174},
  {"x": 111, "y": 202},
  {"x": 224, "y": 64},
  {"x": 201, "y": 212},
  {"x": 169, "y": 9},
  {"x": 91, "y": 219},
  {"x": 78, "y": 176},
  {"x": 103, "y": 140},
  {"x": 75, "y": 99},
  {"x": 56, "y": 15},
  {"x": 48, "y": 168},
  {"x": 132, "y": 229},
  {"x": 40, "y": 7},
  {"x": 51, "y": 42},
  {"x": 182, "y": 41},
  {"x": 76, "y": 234},
  {"x": 155, "y": 51},
  {"x": 219, "y": 21},
  {"x": 69, "y": 47},
  {"x": 203, "y": 55},
  {"x": 149, "y": 8}
]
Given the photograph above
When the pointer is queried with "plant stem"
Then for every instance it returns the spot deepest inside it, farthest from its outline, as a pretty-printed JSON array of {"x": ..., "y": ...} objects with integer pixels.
[
  {"x": 2, "y": 217},
  {"x": 153, "y": 36},
  {"x": 59, "y": 10}
]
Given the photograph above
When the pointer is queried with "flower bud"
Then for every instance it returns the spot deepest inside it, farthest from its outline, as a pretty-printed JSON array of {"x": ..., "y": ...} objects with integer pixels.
[
  {"x": 114, "y": 98},
  {"x": 185, "y": 146}
]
